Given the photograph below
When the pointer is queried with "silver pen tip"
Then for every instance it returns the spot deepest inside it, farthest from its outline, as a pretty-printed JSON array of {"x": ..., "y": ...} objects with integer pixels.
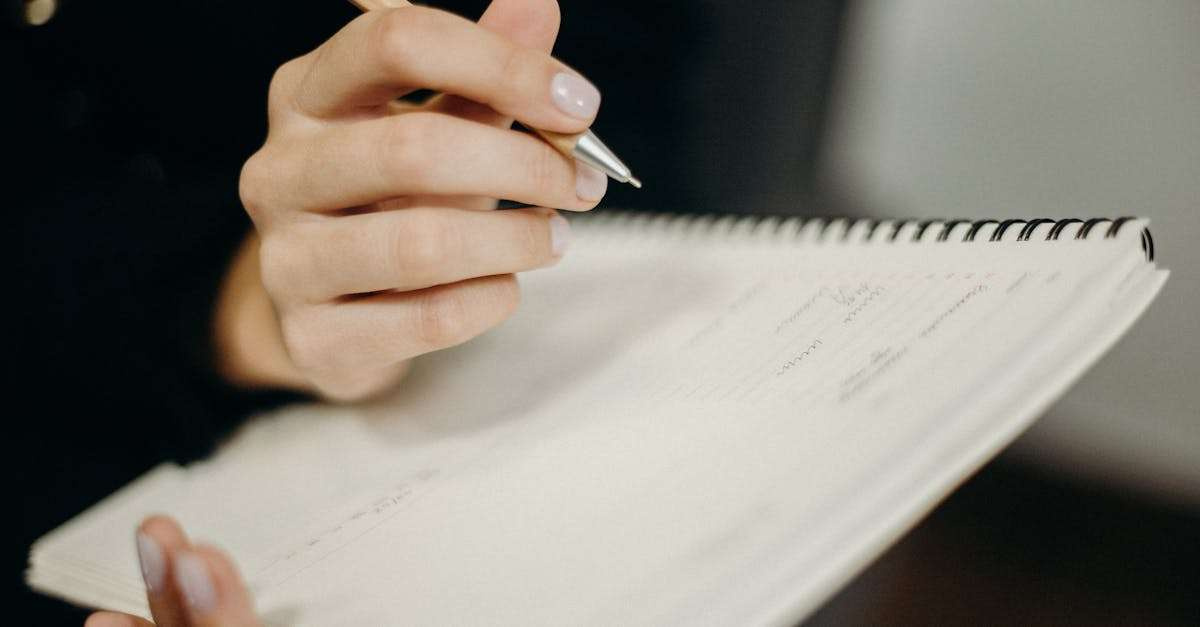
[{"x": 634, "y": 182}]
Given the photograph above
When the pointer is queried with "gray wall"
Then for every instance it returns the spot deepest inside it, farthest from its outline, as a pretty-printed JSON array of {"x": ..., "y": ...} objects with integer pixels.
[{"x": 1063, "y": 109}]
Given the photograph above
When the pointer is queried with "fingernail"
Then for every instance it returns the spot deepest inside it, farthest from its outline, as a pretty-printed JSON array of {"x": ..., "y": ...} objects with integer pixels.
[
  {"x": 575, "y": 96},
  {"x": 560, "y": 235},
  {"x": 191, "y": 575},
  {"x": 590, "y": 183},
  {"x": 150, "y": 557}
]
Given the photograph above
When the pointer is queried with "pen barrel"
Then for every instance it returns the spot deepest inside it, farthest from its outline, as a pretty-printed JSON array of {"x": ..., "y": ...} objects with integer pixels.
[
  {"x": 562, "y": 142},
  {"x": 588, "y": 148}
]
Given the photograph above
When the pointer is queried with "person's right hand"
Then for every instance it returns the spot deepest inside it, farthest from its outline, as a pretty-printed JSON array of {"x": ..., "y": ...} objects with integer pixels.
[{"x": 378, "y": 235}]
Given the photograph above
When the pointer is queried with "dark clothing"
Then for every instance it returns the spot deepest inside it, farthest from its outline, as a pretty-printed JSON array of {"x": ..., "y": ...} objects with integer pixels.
[{"x": 131, "y": 123}]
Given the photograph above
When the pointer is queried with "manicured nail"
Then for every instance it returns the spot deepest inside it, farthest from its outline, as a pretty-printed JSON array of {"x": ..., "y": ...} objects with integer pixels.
[
  {"x": 191, "y": 575},
  {"x": 590, "y": 183},
  {"x": 575, "y": 96},
  {"x": 151, "y": 559},
  {"x": 560, "y": 235}
]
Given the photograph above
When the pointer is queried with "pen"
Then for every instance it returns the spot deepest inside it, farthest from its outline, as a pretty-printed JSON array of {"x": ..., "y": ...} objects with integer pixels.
[{"x": 584, "y": 146}]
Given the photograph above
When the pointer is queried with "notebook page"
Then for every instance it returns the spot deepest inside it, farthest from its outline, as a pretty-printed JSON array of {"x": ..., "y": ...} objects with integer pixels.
[{"x": 669, "y": 409}]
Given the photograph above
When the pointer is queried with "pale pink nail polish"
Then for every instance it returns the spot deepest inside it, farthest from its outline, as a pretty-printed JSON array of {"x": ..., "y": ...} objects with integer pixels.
[
  {"x": 575, "y": 96},
  {"x": 590, "y": 183},
  {"x": 150, "y": 558},
  {"x": 560, "y": 235},
  {"x": 194, "y": 580}
]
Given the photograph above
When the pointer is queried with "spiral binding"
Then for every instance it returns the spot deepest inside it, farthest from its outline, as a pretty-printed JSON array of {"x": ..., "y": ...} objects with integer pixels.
[{"x": 823, "y": 229}]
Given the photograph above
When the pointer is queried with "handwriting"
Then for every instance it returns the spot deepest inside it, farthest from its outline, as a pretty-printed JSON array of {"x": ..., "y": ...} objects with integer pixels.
[
  {"x": 1017, "y": 283},
  {"x": 795, "y": 361},
  {"x": 958, "y": 304},
  {"x": 881, "y": 361},
  {"x": 850, "y": 298},
  {"x": 866, "y": 300},
  {"x": 353, "y": 525}
]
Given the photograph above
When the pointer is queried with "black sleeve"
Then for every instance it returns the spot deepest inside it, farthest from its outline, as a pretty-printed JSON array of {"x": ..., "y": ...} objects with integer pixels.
[
  {"x": 125, "y": 216},
  {"x": 115, "y": 366},
  {"x": 120, "y": 272}
]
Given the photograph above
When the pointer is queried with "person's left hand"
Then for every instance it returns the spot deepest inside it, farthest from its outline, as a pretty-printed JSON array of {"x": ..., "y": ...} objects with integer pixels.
[{"x": 186, "y": 585}]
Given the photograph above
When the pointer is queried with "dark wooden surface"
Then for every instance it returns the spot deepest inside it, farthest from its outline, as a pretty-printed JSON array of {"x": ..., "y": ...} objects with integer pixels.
[{"x": 1014, "y": 546}]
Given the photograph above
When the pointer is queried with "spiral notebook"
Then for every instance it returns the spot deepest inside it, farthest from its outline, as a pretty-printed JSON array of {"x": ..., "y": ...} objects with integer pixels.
[{"x": 689, "y": 421}]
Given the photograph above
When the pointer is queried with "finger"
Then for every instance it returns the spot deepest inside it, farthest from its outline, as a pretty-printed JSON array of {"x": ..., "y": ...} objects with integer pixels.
[
  {"x": 158, "y": 538},
  {"x": 411, "y": 249},
  {"x": 349, "y": 387},
  {"x": 113, "y": 619},
  {"x": 529, "y": 23},
  {"x": 213, "y": 591},
  {"x": 458, "y": 201},
  {"x": 337, "y": 342},
  {"x": 460, "y": 107},
  {"x": 369, "y": 161},
  {"x": 384, "y": 54},
  {"x": 370, "y": 5}
]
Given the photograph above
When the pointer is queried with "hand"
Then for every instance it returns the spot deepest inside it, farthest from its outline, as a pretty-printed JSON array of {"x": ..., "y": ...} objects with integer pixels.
[
  {"x": 186, "y": 585},
  {"x": 378, "y": 239}
]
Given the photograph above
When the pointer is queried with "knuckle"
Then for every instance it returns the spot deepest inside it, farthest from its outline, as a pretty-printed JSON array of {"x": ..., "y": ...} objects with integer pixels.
[
  {"x": 403, "y": 149},
  {"x": 283, "y": 85},
  {"x": 399, "y": 36},
  {"x": 423, "y": 245},
  {"x": 533, "y": 239},
  {"x": 547, "y": 172},
  {"x": 254, "y": 183},
  {"x": 274, "y": 259},
  {"x": 453, "y": 315},
  {"x": 307, "y": 347},
  {"x": 388, "y": 42},
  {"x": 443, "y": 319}
]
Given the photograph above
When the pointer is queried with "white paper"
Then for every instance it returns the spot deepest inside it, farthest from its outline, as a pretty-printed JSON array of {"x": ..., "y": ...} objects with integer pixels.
[{"x": 687, "y": 422}]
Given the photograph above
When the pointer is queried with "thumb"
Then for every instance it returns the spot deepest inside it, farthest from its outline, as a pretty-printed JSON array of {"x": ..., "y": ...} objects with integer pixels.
[{"x": 527, "y": 23}]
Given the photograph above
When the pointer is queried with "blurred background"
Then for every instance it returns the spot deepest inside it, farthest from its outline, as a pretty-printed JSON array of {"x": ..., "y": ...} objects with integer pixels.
[
  {"x": 1066, "y": 108},
  {"x": 898, "y": 108}
]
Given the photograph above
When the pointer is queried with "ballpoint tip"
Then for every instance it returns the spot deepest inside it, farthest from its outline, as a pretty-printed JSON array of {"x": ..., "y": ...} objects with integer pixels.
[{"x": 634, "y": 182}]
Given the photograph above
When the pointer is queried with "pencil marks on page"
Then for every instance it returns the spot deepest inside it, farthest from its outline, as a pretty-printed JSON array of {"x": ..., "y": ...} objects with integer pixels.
[
  {"x": 843, "y": 338},
  {"x": 328, "y": 538},
  {"x": 799, "y": 358},
  {"x": 966, "y": 298},
  {"x": 878, "y": 364},
  {"x": 820, "y": 336},
  {"x": 726, "y": 359},
  {"x": 854, "y": 299},
  {"x": 909, "y": 295}
]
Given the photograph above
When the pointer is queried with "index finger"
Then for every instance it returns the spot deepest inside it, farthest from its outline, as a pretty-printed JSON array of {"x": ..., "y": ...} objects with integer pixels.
[
  {"x": 213, "y": 590},
  {"x": 384, "y": 54}
]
